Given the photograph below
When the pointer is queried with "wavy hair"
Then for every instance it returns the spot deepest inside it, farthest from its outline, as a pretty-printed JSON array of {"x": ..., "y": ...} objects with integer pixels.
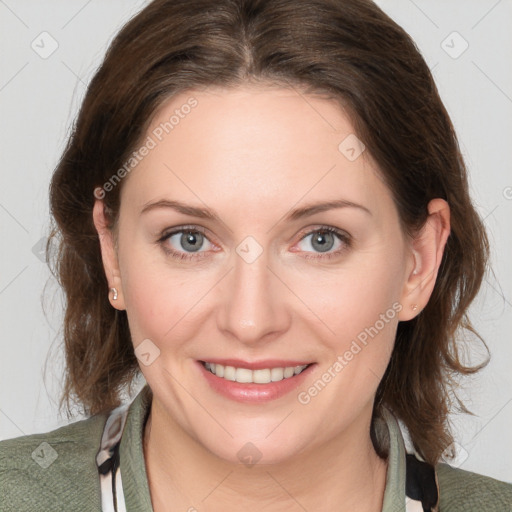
[{"x": 349, "y": 50}]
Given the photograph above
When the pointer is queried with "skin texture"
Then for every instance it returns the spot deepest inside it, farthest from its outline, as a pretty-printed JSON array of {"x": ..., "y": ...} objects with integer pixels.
[{"x": 253, "y": 154}]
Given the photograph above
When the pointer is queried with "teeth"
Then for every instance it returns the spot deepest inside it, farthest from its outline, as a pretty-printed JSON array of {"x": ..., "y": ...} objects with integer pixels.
[{"x": 244, "y": 375}]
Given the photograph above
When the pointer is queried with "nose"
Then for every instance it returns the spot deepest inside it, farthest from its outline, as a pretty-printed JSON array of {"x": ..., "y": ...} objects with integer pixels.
[{"x": 254, "y": 308}]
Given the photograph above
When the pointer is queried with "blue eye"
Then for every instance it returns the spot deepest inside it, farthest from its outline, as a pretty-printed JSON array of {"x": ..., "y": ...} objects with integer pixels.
[
  {"x": 189, "y": 240},
  {"x": 324, "y": 239}
]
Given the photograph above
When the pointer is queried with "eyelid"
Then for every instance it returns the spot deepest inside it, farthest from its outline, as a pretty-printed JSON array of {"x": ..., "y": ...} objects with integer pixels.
[
  {"x": 342, "y": 235},
  {"x": 179, "y": 255},
  {"x": 166, "y": 233},
  {"x": 323, "y": 227}
]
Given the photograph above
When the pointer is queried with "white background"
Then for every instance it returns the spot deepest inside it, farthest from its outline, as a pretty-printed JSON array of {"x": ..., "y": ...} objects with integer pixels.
[{"x": 39, "y": 98}]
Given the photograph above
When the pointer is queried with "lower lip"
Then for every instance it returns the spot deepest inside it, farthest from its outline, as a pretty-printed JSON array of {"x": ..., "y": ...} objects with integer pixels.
[{"x": 251, "y": 392}]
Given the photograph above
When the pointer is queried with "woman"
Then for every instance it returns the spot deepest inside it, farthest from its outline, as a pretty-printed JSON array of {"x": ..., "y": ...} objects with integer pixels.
[{"x": 263, "y": 209}]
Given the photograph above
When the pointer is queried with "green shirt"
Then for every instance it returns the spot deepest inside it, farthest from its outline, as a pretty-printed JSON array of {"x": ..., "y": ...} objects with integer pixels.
[{"x": 57, "y": 470}]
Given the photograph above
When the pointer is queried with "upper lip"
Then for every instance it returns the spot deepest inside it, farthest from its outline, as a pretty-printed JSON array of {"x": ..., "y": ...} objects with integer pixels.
[{"x": 257, "y": 365}]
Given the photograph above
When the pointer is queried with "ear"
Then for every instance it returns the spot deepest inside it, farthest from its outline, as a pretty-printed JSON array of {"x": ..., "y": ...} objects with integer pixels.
[
  {"x": 108, "y": 254},
  {"x": 427, "y": 252}
]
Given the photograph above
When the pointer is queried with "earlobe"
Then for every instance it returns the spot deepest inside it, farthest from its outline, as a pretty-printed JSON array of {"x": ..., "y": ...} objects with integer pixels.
[
  {"x": 427, "y": 250},
  {"x": 108, "y": 256}
]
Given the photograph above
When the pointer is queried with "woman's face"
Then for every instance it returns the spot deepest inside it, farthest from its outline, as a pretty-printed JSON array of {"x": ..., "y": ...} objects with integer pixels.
[{"x": 258, "y": 279}]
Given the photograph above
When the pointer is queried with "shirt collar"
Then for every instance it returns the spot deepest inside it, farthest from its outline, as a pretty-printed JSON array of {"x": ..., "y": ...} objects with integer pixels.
[{"x": 135, "y": 481}]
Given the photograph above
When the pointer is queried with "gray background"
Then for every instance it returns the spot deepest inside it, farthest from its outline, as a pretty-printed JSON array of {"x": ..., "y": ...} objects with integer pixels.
[{"x": 40, "y": 92}]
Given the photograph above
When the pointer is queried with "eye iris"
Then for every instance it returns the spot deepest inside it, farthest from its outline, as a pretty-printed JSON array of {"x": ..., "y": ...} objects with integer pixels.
[
  {"x": 192, "y": 238},
  {"x": 320, "y": 238}
]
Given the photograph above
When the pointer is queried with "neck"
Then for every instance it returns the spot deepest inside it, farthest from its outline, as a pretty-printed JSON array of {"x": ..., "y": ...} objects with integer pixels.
[{"x": 345, "y": 474}]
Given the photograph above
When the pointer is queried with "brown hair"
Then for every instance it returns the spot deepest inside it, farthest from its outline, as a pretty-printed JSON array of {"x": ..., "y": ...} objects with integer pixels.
[{"x": 347, "y": 49}]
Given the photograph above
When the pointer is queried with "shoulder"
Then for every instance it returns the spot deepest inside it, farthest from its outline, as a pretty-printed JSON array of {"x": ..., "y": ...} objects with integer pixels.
[
  {"x": 462, "y": 490},
  {"x": 54, "y": 470}
]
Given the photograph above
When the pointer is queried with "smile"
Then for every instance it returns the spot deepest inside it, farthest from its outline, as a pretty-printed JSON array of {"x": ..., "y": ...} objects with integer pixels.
[{"x": 260, "y": 376}]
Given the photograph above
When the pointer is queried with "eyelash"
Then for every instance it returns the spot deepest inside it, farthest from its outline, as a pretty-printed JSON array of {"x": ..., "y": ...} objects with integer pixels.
[{"x": 342, "y": 236}]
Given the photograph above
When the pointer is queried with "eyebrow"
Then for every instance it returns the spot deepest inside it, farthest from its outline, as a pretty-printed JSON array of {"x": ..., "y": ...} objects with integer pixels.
[{"x": 293, "y": 215}]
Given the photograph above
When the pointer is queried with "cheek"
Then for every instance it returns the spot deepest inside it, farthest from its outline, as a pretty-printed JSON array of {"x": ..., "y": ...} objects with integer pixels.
[
  {"x": 158, "y": 307},
  {"x": 156, "y": 298},
  {"x": 167, "y": 305},
  {"x": 358, "y": 308},
  {"x": 359, "y": 312},
  {"x": 338, "y": 305},
  {"x": 355, "y": 296}
]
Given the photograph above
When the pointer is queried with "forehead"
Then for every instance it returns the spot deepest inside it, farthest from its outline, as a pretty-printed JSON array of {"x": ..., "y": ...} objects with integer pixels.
[{"x": 260, "y": 145}]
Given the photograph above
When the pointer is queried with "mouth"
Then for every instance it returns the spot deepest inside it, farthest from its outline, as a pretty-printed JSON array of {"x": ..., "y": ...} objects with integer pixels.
[
  {"x": 254, "y": 376},
  {"x": 255, "y": 383}
]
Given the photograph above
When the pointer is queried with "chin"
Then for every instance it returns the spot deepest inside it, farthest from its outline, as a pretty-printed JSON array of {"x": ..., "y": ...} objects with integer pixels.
[{"x": 254, "y": 450}]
